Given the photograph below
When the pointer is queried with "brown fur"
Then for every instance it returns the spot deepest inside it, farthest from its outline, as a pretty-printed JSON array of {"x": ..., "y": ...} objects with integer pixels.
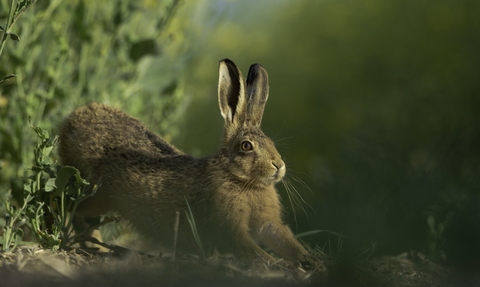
[{"x": 231, "y": 194}]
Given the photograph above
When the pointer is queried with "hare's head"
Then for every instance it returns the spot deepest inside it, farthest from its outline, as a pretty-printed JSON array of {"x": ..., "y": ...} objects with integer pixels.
[{"x": 252, "y": 156}]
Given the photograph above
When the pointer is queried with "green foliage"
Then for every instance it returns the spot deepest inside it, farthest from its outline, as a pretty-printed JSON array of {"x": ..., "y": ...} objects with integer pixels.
[
  {"x": 117, "y": 52},
  {"x": 50, "y": 198},
  {"x": 376, "y": 102},
  {"x": 12, "y": 233}
]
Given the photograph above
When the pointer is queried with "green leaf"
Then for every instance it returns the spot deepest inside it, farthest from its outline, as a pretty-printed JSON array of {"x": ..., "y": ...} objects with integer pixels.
[
  {"x": 81, "y": 180},
  {"x": 18, "y": 236},
  {"x": 52, "y": 141},
  {"x": 6, "y": 78},
  {"x": 46, "y": 151},
  {"x": 14, "y": 37},
  {"x": 63, "y": 176},
  {"x": 41, "y": 133},
  {"x": 50, "y": 185},
  {"x": 1, "y": 28},
  {"x": 27, "y": 187}
]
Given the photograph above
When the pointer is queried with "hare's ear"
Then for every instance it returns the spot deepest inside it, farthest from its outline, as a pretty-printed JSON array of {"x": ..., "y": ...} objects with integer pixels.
[
  {"x": 257, "y": 93},
  {"x": 231, "y": 92}
]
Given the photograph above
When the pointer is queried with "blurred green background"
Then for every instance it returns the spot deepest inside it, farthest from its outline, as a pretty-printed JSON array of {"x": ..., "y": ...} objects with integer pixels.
[{"x": 373, "y": 104}]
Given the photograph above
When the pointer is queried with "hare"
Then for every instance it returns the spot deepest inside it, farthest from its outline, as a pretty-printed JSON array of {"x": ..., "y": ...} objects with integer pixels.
[{"x": 231, "y": 195}]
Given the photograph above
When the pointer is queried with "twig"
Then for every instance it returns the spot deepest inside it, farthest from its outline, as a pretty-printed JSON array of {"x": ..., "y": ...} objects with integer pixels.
[{"x": 175, "y": 234}]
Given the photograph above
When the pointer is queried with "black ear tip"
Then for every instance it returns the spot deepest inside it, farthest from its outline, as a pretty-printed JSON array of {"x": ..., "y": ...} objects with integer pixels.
[
  {"x": 255, "y": 68},
  {"x": 227, "y": 61},
  {"x": 254, "y": 71}
]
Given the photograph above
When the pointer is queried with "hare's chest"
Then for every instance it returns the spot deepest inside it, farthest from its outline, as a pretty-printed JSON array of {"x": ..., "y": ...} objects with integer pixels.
[
  {"x": 247, "y": 209},
  {"x": 263, "y": 206}
]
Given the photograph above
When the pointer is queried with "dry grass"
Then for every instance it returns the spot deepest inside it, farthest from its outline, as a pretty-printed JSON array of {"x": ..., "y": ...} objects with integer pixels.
[{"x": 34, "y": 266}]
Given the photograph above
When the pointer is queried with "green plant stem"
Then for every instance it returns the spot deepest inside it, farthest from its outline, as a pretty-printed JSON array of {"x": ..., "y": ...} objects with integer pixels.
[
  {"x": 7, "y": 237},
  {"x": 13, "y": 15},
  {"x": 7, "y": 28}
]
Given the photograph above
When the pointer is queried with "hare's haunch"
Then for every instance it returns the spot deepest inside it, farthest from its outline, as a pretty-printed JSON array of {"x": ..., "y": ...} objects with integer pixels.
[{"x": 147, "y": 180}]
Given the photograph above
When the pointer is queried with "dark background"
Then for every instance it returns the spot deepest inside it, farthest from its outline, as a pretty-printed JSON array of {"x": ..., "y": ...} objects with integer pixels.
[{"x": 374, "y": 105}]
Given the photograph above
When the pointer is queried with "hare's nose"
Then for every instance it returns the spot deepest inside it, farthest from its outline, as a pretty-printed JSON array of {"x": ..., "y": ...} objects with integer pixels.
[{"x": 280, "y": 166}]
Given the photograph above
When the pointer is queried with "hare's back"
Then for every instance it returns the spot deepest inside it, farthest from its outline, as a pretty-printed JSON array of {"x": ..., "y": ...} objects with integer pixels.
[{"x": 93, "y": 131}]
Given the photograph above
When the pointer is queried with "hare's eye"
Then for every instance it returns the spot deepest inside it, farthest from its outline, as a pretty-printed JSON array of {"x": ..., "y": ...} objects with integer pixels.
[{"x": 246, "y": 146}]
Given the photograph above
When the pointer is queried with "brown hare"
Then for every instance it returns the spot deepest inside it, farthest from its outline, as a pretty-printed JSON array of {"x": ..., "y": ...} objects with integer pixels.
[{"x": 232, "y": 194}]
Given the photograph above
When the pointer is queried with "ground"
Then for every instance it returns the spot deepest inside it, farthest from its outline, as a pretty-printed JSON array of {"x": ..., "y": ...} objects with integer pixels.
[{"x": 34, "y": 266}]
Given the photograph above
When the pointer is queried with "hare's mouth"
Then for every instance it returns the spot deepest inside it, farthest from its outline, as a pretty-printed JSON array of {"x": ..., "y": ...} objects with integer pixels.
[
  {"x": 268, "y": 179},
  {"x": 278, "y": 175}
]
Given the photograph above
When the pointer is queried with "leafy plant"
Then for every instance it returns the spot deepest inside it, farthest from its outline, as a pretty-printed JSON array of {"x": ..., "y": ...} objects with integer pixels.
[
  {"x": 12, "y": 234},
  {"x": 50, "y": 199}
]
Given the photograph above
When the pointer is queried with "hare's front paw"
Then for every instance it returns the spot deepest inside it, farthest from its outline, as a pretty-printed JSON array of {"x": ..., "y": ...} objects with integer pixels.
[
  {"x": 261, "y": 256},
  {"x": 254, "y": 254},
  {"x": 268, "y": 259},
  {"x": 310, "y": 262}
]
